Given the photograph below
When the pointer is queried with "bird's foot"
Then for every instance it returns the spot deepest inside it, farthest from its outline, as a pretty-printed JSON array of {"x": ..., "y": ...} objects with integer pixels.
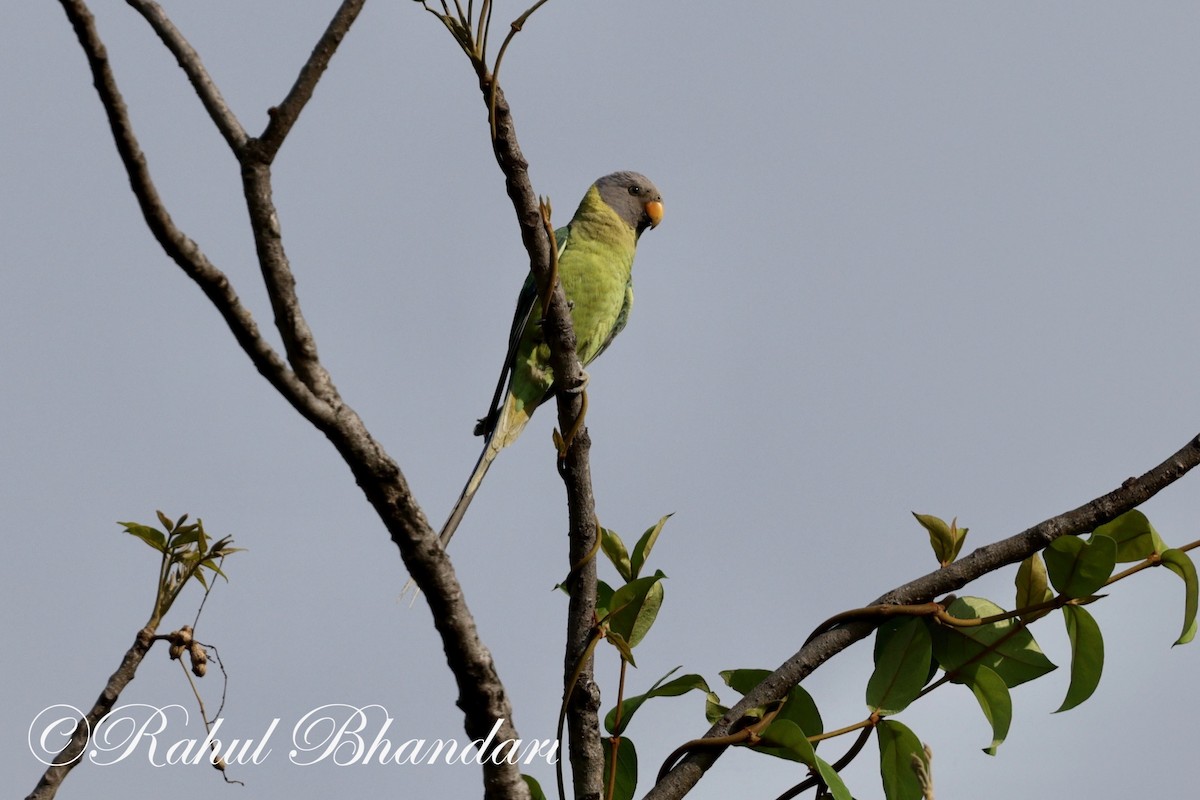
[
  {"x": 584, "y": 379},
  {"x": 563, "y": 443}
]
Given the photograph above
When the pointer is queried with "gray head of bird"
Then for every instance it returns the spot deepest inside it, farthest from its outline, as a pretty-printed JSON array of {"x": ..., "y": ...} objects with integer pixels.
[{"x": 634, "y": 197}]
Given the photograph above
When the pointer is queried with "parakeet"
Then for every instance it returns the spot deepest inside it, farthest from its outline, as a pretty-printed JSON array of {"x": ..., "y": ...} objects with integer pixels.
[{"x": 595, "y": 262}]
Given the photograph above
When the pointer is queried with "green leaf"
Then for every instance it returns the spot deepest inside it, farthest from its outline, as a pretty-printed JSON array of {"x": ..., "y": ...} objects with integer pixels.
[
  {"x": 946, "y": 540},
  {"x": 799, "y": 708},
  {"x": 618, "y": 641},
  {"x": 1189, "y": 633},
  {"x": 902, "y": 656},
  {"x": 165, "y": 520},
  {"x": 743, "y": 680},
  {"x": 203, "y": 538},
  {"x": 681, "y": 685},
  {"x": 1087, "y": 655},
  {"x": 604, "y": 594},
  {"x": 994, "y": 699},
  {"x": 641, "y": 550},
  {"x": 535, "y": 788},
  {"x": 198, "y": 574},
  {"x": 151, "y": 536},
  {"x": 1135, "y": 536},
  {"x": 1033, "y": 587},
  {"x": 1077, "y": 568},
  {"x": 626, "y": 776},
  {"x": 1005, "y": 647},
  {"x": 222, "y": 547},
  {"x": 713, "y": 710},
  {"x": 180, "y": 540},
  {"x": 837, "y": 787},
  {"x": 940, "y": 537},
  {"x": 957, "y": 537},
  {"x": 614, "y": 548},
  {"x": 209, "y": 563},
  {"x": 635, "y": 607},
  {"x": 897, "y": 747},
  {"x": 785, "y": 735},
  {"x": 1182, "y": 565}
]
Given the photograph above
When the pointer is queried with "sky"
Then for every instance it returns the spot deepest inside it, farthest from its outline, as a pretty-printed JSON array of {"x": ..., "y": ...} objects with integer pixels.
[{"x": 916, "y": 256}]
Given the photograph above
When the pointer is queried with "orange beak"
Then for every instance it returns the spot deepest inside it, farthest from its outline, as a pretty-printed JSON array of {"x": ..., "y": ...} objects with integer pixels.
[{"x": 654, "y": 210}]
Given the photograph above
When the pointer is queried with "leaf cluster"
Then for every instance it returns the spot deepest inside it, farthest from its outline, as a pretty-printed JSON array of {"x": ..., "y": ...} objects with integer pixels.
[
  {"x": 187, "y": 554},
  {"x": 974, "y": 642},
  {"x": 971, "y": 641}
]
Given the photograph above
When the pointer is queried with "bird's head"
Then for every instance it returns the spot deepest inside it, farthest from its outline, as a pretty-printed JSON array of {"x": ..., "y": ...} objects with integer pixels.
[{"x": 634, "y": 197}]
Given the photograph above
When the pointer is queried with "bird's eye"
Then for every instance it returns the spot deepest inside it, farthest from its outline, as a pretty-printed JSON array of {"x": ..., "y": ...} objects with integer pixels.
[{"x": 635, "y": 190}]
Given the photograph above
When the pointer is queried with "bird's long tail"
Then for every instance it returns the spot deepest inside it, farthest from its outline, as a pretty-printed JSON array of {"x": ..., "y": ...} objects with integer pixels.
[
  {"x": 460, "y": 508},
  {"x": 468, "y": 493},
  {"x": 510, "y": 423}
]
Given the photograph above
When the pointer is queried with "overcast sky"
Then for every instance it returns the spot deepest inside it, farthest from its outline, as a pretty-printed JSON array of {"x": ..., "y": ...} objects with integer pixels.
[{"x": 916, "y": 256}]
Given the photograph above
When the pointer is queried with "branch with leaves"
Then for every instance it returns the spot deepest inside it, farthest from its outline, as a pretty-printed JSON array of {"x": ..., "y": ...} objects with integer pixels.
[
  {"x": 1058, "y": 532},
  {"x": 186, "y": 554}
]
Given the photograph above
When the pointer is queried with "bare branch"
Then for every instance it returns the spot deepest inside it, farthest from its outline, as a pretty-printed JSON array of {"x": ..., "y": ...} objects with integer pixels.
[
  {"x": 1131, "y": 494},
  {"x": 481, "y": 694},
  {"x": 189, "y": 60},
  {"x": 69, "y": 756},
  {"x": 182, "y": 250},
  {"x": 256, "y": 179},
  {"x": 583, "y": 695},
  {"x": 513, "y": 29},
  {"x": 284, "y": 116},
  {"x": 298, "y": 340}
]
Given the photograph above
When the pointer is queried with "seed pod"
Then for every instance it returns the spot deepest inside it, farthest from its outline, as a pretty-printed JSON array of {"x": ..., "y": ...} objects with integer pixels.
[{"x": 199, "y": 659}]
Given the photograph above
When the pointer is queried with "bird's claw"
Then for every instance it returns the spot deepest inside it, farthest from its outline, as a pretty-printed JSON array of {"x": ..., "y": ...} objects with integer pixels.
[
  {"x": 563, "y": 443},
  {"x": 584, "y": 379}
]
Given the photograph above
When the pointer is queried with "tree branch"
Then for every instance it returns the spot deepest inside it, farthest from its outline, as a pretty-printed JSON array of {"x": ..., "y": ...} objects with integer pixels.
[
  {"x": 1131, "y": 494},
  {"x": 181, "y": 249},
  {"x": 69, "y": 757},
  {"x": 481, "y": 694},
  {"x": 189, "y": 60},
  {"x": 583, "y": 703},
  {"x": 586, "y": 754},
  {"x": 284, "y": 116},
  {"x": 298, "y": 340}
]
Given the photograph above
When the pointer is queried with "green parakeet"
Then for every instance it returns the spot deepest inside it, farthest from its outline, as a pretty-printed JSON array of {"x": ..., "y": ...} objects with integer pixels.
[{"x": 595, "y": 262}]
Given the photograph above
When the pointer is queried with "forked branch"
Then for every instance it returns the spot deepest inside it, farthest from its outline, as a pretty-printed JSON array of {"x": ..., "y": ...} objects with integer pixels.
[{"x": 301, "y": 379}]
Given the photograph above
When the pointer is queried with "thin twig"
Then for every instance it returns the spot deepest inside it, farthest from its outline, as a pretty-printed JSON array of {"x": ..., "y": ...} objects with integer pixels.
[
  {"x": 284, "y": 116},
  {"x": 189, "y": 60},
  {"x": 181, "y": 249}
]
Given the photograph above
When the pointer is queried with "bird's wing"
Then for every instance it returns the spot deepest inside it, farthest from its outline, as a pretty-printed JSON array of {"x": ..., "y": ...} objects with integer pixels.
[
  {"x": 619, "y": 323},
  {"x": 526, "y": 301}
]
